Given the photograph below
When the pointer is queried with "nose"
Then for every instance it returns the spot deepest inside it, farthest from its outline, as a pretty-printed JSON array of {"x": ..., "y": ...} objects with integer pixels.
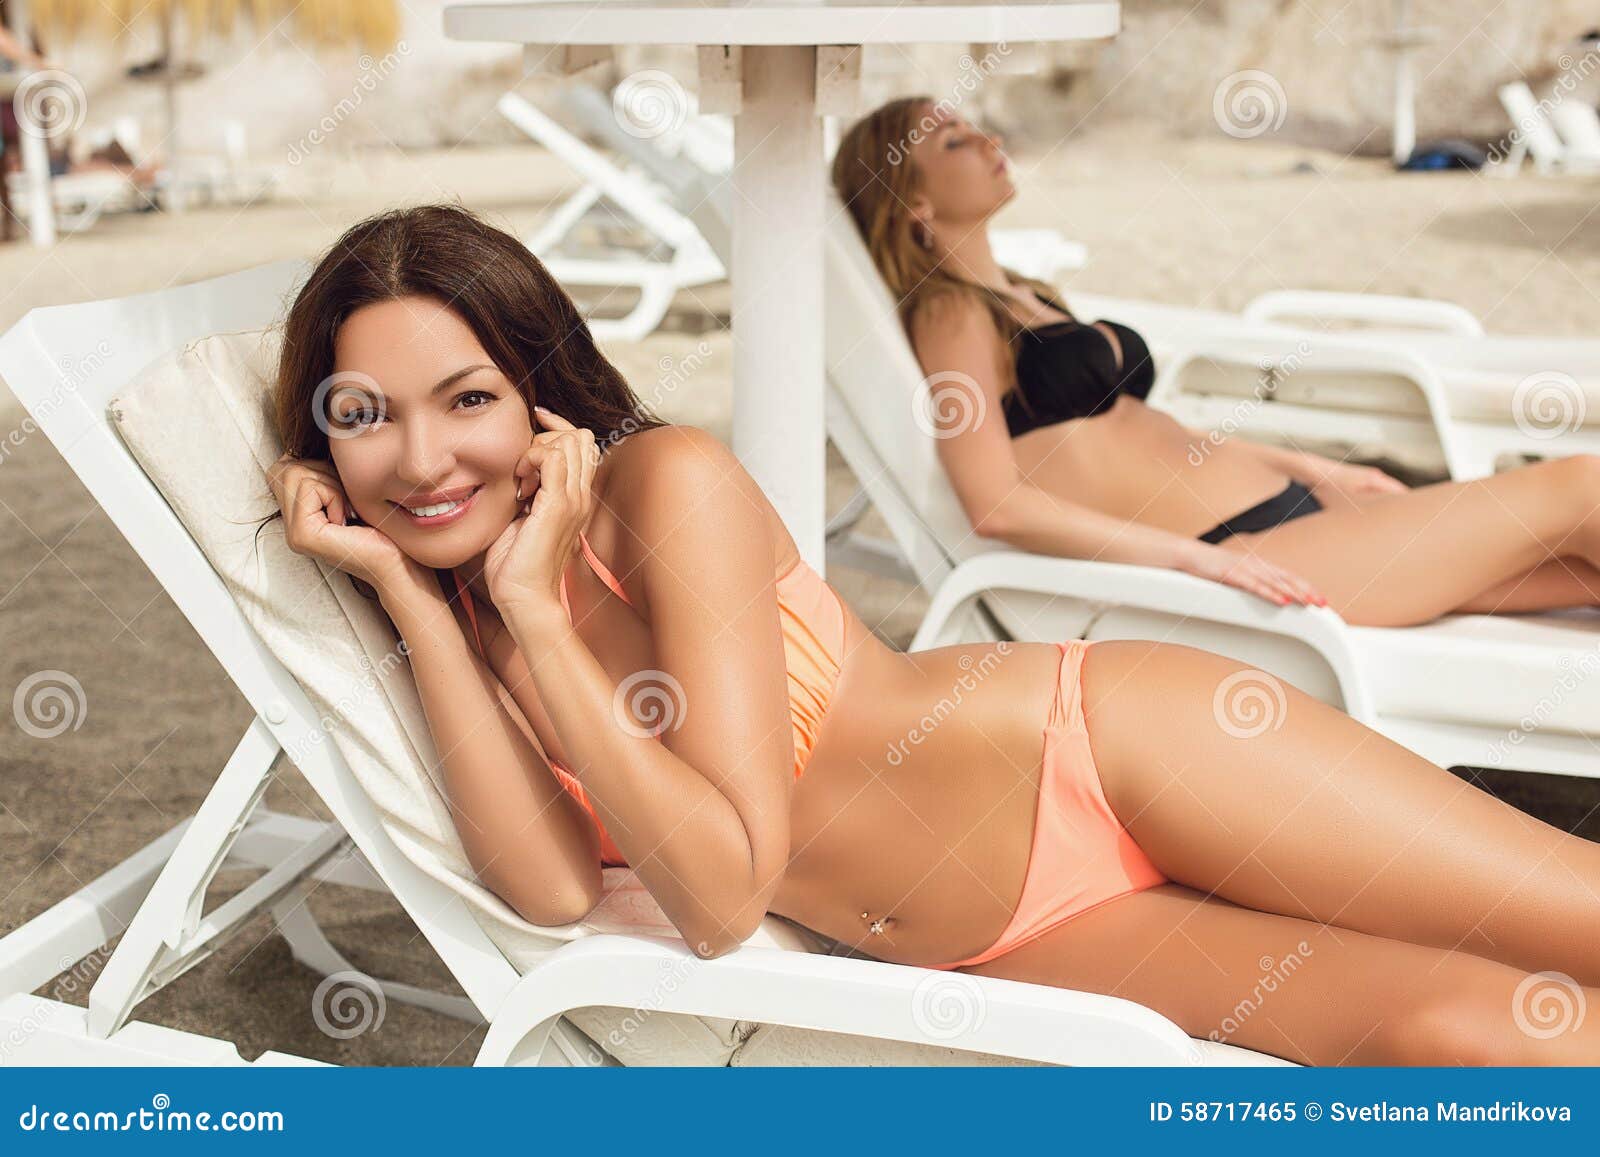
[{"x": 426, "y": 454}]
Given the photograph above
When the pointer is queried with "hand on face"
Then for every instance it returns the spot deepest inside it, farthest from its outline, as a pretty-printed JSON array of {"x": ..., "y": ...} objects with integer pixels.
[
  {"x": 555, "y": 480},
  {"x": 317, "y": 523}
]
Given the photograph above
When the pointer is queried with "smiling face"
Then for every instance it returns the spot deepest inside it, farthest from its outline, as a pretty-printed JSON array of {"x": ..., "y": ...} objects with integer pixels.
[
  {"x": 418, "y": 416},
  {"x": 965, "y": 175}
]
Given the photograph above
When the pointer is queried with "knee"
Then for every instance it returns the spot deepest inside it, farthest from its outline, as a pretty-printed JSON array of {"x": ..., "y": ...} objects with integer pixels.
[
  {"x": 1472, "y": 1027},
  {"x": 1579, "y": 475}
]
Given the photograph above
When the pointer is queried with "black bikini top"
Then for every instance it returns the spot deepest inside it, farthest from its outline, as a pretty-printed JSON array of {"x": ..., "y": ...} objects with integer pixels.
[{"x": 1068, "y": 369}]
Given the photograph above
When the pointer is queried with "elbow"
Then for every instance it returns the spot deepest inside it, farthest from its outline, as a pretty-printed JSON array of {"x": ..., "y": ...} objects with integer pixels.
[
  {"x": 993, "y": 524},
  {"x": 719, "y": 943},
  {"x": 721, "y": 938},
  {"x": 553, "y": 905}
]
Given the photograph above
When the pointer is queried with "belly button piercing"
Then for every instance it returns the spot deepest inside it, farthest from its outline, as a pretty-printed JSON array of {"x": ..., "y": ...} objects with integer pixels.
[{"x": 878, "y": 926}]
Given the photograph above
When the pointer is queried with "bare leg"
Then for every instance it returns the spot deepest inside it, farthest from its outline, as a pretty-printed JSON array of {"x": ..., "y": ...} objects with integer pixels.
[
  {"x": 1299, "y": 810},
  {"x": 1406, "y": 559},
  {"x": 1561, "y": 582},
  {"x": 1308, "y": 992}
]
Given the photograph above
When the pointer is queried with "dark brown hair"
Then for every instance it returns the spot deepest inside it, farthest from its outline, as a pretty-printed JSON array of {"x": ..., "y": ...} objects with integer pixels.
[{"x": 519, "y": 313}]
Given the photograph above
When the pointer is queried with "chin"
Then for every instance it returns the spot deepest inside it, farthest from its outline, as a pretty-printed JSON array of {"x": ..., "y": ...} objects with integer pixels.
[{"x": 453, "y": 546}]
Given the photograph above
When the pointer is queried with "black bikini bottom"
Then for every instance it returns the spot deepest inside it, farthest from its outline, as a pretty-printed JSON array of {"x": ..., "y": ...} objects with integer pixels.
[{"x": 1293, "y": 501}]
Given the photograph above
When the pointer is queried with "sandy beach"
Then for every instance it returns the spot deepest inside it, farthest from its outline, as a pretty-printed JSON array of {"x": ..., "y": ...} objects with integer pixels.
[{"x": 1208, "y": 222}]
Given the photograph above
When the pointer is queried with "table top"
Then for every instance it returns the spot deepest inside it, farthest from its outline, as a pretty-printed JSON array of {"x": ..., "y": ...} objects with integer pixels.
[{"x": 782, "y": 21}]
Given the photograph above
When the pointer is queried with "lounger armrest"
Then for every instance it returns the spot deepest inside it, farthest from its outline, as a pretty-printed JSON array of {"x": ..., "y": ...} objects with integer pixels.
[
  {"x": 1328, "y": 354},
  {"x": 1154, "y": 589},
  {"x": 833, "y": 994},
  {"x": 1373, "y": 309}
]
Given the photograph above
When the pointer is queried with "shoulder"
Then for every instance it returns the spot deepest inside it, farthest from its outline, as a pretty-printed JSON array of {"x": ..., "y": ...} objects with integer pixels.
[
  {"x": 666, "y": 482},
  {"x": 942, "y": 309},
  {"x": 671, "y": 458}
]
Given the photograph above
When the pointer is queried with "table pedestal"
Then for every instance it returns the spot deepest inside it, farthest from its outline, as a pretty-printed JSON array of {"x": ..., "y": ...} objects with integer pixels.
[{"x": 778, "y": 367}]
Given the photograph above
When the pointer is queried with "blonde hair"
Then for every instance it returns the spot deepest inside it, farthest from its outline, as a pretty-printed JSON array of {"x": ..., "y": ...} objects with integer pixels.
[{"x": 875, "y": 178}]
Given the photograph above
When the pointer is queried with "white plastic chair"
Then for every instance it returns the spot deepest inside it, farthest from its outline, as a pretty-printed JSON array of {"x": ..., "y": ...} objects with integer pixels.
[
  {"x": 1459, "y": 690},
  {"x": 1533, "y": 135},
  {"x": 1439, "y": 395},
  {"x": 690, "y": 264},
  {"x": 166, "y": 427}
]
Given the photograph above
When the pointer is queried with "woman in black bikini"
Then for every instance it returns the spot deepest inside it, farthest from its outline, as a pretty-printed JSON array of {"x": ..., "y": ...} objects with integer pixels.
[{"x": 1081, "y": 467}]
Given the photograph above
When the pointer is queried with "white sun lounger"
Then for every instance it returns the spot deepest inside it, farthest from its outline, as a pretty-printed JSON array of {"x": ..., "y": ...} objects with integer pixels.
[
  {"x": 164, "y": 420},
  {"x": 1536, "y": 135},
  {"x": 1409, "y": 379},
  {"x": 689, "y": 262},
  {"x": 1474, "y": 690}
]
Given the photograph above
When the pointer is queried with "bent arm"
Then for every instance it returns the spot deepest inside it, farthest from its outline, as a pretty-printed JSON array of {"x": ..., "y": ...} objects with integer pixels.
[
  {"x": 529, "y": 841},
  {"x": 689, "y": 762}
]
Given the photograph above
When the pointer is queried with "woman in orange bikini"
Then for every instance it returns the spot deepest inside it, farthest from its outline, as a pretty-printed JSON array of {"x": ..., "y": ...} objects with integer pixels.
[
  {"x": 1049, "y": 445},
  {"x": 622, "y": 658}
]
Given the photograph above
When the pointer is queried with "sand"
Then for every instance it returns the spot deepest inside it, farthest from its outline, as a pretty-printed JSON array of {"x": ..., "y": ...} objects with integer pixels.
[{"x": 1208, "y": 222}]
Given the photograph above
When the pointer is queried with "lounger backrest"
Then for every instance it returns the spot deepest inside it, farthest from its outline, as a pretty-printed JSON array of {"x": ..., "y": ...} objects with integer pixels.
[
  {"x": 1530, "y": 125},
  {"x": 877, "y": 388},
  {"x": 1579, "y": 126}
]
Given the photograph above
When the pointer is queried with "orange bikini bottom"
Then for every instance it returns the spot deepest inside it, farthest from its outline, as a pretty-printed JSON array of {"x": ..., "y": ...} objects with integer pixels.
[{"x": 1082, "y": 856}]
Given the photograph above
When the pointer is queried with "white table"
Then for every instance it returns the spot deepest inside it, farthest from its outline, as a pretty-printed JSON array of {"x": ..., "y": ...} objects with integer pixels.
[{"x": 777, "y": 65}]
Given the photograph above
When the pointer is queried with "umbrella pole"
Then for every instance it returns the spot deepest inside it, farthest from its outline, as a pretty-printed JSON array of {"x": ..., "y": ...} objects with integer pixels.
[{"x": 169, "y": 51}]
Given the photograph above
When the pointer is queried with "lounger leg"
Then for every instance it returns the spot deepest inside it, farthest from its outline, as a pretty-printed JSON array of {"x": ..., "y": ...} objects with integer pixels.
[
  {"x": 313, "y": 949},
  {"x": 169, "y": 935}
]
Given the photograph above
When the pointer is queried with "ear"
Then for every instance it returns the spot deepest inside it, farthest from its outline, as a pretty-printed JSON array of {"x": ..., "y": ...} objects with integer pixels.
[{"x": 920, "y": 207}]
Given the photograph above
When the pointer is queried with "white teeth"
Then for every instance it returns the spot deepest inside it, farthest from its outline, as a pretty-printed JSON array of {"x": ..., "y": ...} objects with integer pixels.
[{"x": 430, "y": 511}]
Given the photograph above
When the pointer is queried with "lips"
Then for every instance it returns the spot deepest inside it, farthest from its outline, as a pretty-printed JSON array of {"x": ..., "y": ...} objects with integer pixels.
[
  {"x": 436, "y": 496},
  {"x": 443, "y": 513}
]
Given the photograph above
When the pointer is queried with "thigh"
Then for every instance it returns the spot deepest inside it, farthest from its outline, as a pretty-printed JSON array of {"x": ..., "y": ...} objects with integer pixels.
[
  {"x": 1238, "y": 783},
  {"x": 1293, "y": 988},
  {"x": 1407, "y": 558}
]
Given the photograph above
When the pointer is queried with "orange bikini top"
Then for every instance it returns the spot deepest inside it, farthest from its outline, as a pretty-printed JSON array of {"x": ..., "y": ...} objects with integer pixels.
[{"x": 811, "y": 618}]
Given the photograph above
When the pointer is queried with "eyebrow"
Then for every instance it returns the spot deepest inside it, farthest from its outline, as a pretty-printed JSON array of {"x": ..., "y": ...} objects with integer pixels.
[{"x": 447, "y": 382}]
